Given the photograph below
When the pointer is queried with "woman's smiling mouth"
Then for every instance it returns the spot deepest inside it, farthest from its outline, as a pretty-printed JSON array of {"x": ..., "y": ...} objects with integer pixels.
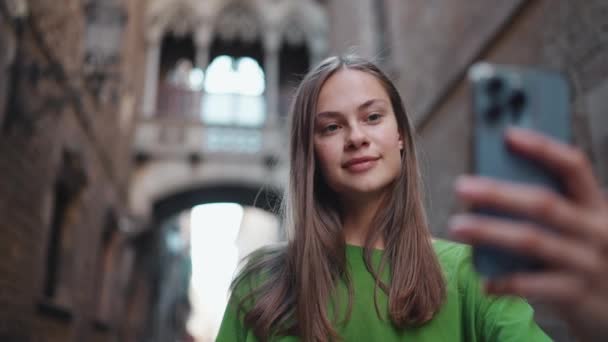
[{"x": 361, "y": 164}]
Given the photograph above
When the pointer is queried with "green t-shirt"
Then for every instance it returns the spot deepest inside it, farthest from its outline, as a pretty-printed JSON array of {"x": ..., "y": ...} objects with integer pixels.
[{"x": 466, "y": 315}]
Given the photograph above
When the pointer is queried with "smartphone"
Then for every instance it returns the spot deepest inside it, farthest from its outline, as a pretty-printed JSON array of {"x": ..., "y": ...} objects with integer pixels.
[{"x": 510, "y": 96}]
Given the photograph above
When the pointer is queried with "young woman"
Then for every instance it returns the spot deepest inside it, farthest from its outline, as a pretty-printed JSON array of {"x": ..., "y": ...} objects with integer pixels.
[{"x": 360, "y": 263}]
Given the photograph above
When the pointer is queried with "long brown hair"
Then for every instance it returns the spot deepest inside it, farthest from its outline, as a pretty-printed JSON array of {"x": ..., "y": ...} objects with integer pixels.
[{"x": 290, "y": 287}]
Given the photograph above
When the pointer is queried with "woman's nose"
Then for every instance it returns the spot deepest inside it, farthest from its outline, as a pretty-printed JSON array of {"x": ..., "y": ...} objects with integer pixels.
[{"x": 356, "y": 138}]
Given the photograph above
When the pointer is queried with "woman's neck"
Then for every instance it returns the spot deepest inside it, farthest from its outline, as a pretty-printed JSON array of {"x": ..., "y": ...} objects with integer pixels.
[{"x": 357, "y": 217}]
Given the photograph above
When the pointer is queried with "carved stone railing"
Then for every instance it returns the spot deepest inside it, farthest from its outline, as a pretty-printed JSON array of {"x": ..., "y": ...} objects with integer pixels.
[
  {"x": 178, "y": 103},
  {"x": 163, "y": 137}
]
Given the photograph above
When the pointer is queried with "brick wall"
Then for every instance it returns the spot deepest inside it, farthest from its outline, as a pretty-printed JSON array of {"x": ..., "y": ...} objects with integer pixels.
[
  {"x": 439, "y": 40},
  {"x": 431, "y": 44},
  {"x": 57, "y": 111}
]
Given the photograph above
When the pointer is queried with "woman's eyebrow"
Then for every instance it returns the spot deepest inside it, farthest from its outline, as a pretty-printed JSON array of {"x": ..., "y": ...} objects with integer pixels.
[
  {"x": 365, "y": 105},
  {"x": 369, "y": 103},
  {"x": 328, "y": 114}
]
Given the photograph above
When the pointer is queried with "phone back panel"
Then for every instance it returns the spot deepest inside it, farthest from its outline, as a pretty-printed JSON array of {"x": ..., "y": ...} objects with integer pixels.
[{"x": 505, "y": 96}]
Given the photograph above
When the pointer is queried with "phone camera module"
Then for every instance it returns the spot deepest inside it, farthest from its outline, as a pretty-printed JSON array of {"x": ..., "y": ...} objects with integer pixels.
[
  {"x": 493, "y": 86},
  {"x": 493, "y": 112},
  {"x": 517, "y": 102}
]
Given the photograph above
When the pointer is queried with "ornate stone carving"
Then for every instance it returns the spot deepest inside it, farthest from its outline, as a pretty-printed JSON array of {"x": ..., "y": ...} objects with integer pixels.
[
  {"x": 271, "y": 21},
  {"x": 238, "y": 22},
  {"x": 306, "y": 21},
  {"x": 294, "y": 20},
  {"x": 176, "y": 16}
]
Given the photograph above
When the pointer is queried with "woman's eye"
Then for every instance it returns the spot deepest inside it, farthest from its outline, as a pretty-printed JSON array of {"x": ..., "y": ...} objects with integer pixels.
[
  {"x": 331, "y": 128},
  {"x": 374, "y": 117}
]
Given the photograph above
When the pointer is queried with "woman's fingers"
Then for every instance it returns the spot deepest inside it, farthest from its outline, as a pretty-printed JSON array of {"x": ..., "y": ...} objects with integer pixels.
[
  {"x": 526, "y": 239},
  {"x": 576, "y": 252},
  {"x": 535, "y": 203},
  {"x": 568, "y": 162}
]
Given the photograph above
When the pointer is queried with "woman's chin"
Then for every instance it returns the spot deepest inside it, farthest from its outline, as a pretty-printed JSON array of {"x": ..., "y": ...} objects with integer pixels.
[{"x": 364, "y": 190}]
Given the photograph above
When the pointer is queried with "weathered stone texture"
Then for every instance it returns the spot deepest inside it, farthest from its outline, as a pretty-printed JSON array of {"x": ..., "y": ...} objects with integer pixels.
[
  {"x": 431, "y": 44},
  {"x": 436, "y": 40},
  {"x": 56, "y": 111},
  {"x": 529, "y": 40}
]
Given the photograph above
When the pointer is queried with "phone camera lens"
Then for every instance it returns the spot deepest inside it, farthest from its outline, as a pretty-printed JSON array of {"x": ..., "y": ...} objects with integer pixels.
[
  {"x": 493, "y": 112},
  {"x": 517, "y": 101},
  {"x": 494, "y": 86}
]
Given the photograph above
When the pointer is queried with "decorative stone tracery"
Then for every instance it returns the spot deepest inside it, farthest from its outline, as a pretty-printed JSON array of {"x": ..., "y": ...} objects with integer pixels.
[
  {"x": 270, "y": 21},
  {"x": 238, "y": 22},
  {"x": 269, "y": 24}
]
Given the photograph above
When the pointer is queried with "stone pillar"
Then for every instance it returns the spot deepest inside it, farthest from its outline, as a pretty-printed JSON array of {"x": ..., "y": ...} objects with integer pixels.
[
  {"x": 151, "y": 85},
  {"x": 271, "y": 66},
  {"x": 202, "y": 57},
  {"x": 202, "y": 40}
]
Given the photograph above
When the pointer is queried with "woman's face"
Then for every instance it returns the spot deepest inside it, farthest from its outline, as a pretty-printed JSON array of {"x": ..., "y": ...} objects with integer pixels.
[{"x": 356, "y": 139}]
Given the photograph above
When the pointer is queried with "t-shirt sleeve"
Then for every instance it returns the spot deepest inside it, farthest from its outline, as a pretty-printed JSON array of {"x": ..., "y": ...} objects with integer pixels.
[
  {"x": 504, "y": 318},
  {"x": 244, "y": 295},
  {"x": 510, "y": 319},
  {"x": 232, "y": 328}
]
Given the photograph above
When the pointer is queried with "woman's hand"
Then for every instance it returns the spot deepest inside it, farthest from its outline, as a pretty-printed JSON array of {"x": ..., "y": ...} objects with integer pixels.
[{"x": 575, "y": 282}]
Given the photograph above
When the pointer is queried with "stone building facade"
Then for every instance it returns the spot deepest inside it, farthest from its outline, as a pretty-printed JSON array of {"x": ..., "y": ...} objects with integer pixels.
[
  {"x": 69, "y": 86},
  {"x": 91, "y": 173},
  {"x": 573, "y": 39},
  {"x": 172, "y": 142}
]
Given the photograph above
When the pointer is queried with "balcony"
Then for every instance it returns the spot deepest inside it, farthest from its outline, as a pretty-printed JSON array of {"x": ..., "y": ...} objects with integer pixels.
[{"x": 191, "y": 123}]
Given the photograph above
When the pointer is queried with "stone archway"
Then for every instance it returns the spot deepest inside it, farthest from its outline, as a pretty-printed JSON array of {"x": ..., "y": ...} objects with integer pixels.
[
  {"x": 215, "y": 245},
  {"x": 158, "y": 180},
  {"x": 263, "y": 198}
]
